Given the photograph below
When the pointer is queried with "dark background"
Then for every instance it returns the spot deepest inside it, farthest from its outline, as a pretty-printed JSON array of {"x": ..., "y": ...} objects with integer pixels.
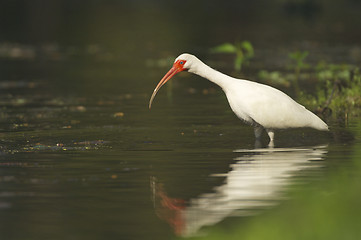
[{"x": 102, "y": 45}]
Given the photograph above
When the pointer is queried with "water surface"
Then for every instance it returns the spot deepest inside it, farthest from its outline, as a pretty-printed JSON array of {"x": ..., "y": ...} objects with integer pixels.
[{"x": 76, "y": 166}]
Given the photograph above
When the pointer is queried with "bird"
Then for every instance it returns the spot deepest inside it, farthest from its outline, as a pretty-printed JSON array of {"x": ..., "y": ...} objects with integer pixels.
[{"x": 262, "y": 106}]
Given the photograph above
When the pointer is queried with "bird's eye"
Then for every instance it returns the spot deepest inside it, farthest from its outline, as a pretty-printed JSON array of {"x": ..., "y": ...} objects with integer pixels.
[{"x": 181, "y": 62}]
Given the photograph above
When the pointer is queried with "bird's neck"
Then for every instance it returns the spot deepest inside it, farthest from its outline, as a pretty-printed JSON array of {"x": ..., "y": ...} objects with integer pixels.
[{"x": 211, "y": 74}]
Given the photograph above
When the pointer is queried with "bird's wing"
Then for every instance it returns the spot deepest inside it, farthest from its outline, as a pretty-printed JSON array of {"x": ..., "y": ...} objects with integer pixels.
[{"x": 266, "y": 105}]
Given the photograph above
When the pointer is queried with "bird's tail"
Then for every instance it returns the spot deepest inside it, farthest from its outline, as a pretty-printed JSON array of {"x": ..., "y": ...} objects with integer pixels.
[
  {"x": 318, "y": 124},
  {"x": 322, "y": 126}
]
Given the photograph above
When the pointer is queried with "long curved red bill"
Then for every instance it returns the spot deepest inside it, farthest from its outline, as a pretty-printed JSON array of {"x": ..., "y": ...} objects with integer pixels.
[{"x": 165, "y": 79}]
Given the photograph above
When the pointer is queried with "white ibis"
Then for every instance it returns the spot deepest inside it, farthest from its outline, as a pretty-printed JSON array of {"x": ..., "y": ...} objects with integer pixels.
[{"x": 260, "y": 105}]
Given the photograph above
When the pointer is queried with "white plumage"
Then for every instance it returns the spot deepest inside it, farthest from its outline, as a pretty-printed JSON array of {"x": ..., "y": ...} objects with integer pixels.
[{"x": 257, "y": 104}]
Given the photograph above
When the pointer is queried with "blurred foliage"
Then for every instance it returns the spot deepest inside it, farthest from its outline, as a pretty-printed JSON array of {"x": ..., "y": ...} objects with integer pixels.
[
  {"x": 299, "y": 57},
  {"x": 336, "y": 87},
  {"x": 274, "y": 77},
  {"x": 298, "y": 64},
  {"x": 243, "y": 52}
]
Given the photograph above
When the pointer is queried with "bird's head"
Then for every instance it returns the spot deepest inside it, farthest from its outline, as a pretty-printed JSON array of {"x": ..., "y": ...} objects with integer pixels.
[{"x": 184, "y": 62}]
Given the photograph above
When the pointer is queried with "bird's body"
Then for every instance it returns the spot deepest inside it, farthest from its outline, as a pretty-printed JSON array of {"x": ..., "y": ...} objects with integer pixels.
[{"x": 257, "y": 104}]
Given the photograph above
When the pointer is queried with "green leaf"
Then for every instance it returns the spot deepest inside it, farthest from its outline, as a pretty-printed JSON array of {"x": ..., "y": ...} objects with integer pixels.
[
  {"x": 247, "y": 46},
  {"x": 298, "y": 55},
  {"x": 238, "y": 63},
  {"x": 224, "y": 48}
]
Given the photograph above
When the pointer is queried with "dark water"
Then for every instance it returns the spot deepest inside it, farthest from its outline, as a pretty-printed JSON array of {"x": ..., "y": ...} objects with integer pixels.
[{"x": 104, "y": 166}]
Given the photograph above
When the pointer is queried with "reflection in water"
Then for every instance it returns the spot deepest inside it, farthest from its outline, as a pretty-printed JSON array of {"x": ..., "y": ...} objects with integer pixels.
[{"x": 255, "y": 182}]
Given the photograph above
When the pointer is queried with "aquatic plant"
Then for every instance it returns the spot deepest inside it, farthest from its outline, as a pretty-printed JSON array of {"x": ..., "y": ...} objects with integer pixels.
[
  {"x": 298, "y": 64},
  {"x": 336, "y": 89},
  {"x": 243, "y": 52},
  {"x": 339, "y": 88}
]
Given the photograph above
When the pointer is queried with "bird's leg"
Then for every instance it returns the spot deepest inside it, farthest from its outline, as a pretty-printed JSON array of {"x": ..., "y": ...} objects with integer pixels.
[
  {"x": 271, "y": 135},
  {"x": 258, "y": 129}
]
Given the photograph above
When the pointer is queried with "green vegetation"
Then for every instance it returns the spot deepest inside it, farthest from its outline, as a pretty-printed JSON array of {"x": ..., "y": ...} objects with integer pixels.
[
  {"x": 337, "y": 87},
  {"x": 298, "y": 64},
  {"x": 243, "y": 52}
]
